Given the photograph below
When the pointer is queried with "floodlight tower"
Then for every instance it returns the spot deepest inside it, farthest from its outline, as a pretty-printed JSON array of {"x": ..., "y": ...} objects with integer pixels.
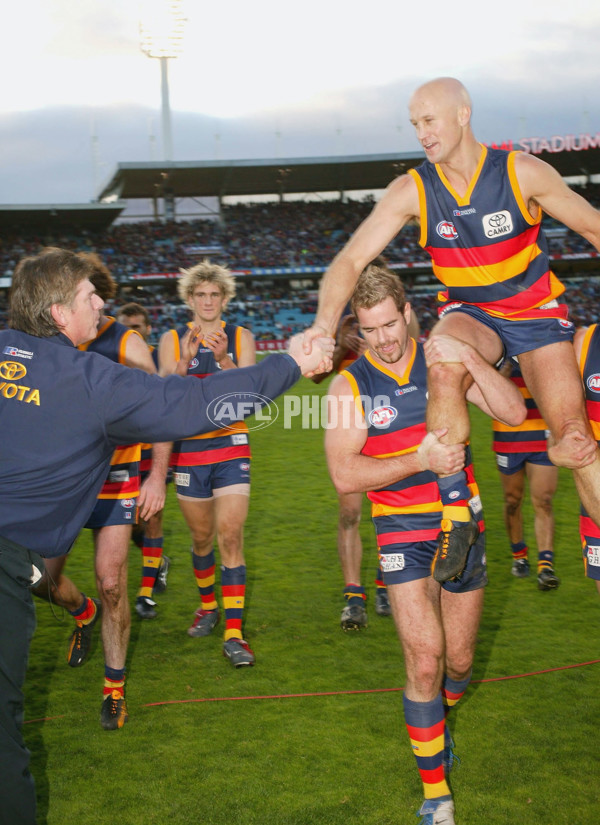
[{"x": 161, "y": 36}]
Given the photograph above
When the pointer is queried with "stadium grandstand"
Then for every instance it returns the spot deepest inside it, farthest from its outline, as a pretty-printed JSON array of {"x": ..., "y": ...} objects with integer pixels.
[{"x": 276, "y": 224}]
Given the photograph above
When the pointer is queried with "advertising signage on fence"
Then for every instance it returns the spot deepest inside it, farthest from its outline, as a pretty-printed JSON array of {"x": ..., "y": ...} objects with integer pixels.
[{"x": 304, "y": 270}]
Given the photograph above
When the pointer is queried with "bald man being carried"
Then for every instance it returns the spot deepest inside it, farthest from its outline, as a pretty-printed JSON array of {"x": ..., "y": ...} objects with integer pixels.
[{"x": 480, "y": 213}]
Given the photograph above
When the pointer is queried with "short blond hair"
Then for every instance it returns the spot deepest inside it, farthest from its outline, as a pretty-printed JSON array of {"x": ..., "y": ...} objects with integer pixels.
[{"x": 209, "y": 273}]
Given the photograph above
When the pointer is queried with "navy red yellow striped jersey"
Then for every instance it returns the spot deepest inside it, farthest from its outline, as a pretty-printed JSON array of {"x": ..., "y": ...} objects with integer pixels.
[
  {"x": 485, "y": 247},
  {"x": 394, "y": 408},
  {"x": 146, "y": 449},
  {"x": 530, "y": 436},
  {"x": 123, "y": 480},
  {"x": 219, "y": 444},
  {"x": 590, "y": 372},
  {"x": 589, "y": 365}
]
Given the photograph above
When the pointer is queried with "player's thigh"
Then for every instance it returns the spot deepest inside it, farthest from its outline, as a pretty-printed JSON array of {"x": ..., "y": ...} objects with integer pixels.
[
  {"x": 199, "y": 515},
  {"x": 416, "y": 610},
  {"x": 543, "y": 481},
  {"x": 111, "y": 546},
  {"x": 460, "y": 325},
  {"x": 513, "y": 487},
  {"x": 553, "y": 379},
  {"x": 231, "y": 507}
]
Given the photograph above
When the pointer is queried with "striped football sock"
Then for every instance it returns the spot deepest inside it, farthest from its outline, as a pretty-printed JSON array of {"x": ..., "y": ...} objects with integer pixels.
[
  {"x": 452, "y": 693},
  {"x": 233, "y": 591},
  {"x": 204, "y": 571},
  {"x": 545, "y": 560},
  {"x": 425, "y": 724},
  {"x": 152, "y": 550},
  {"x": 355, "y": 594},
  {"x": 455, "y": 495},
  {"x": 519, "y": 550},
  {"x": 114, "y": 679},
  {"x": 86, "y": 612}
]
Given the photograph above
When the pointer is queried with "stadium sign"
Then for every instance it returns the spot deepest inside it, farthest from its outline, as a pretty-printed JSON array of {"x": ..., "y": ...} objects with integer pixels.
[{"x": 556, "y": 143}]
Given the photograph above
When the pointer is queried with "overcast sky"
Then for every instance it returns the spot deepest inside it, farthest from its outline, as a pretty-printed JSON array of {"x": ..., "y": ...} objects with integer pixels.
[{"x": 267, "y": 79}]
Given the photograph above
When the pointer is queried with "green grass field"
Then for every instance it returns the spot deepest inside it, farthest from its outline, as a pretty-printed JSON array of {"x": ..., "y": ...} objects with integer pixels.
[{"x": 314, "y": 734}]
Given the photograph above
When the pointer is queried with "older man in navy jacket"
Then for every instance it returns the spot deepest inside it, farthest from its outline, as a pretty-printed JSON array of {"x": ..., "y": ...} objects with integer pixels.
[{"x": 62, "y": 413}]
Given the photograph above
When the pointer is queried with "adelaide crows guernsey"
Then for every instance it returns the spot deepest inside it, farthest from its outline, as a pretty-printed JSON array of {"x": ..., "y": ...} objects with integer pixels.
[
  {"x": 219, "y": 444},
  {"x": 589, "y": 364},
  {"x": 146, "y": 449},
  {"x": 393, "y": 408},
  {"x": 123, "y": 479},
  {"x": 528, "y": 437},
  {"x": 485, "y": 247}
]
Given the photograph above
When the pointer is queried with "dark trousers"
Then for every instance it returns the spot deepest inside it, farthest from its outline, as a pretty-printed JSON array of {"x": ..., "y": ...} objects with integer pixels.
[{"x": 17, "y": 624}]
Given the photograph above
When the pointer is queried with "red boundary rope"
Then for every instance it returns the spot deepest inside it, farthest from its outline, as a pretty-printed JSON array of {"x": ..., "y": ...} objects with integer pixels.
[
  {"x": 353, "y": 692},
  {"x": 331, "y": 692}
]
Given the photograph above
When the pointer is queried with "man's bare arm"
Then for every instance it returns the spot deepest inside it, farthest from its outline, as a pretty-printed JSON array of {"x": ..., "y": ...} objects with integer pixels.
[
  {"x": 153, "y": 491},
  {"x": 541, "y": 184},
  {"x": 398, "y": 205}
]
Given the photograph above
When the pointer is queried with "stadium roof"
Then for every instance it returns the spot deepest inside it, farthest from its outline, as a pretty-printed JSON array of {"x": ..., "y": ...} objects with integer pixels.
[
  {"x": 255, "y": 177},
  {"x": 291, "y": 175},
  {"x": 53, "y": 217},
  {"x": 195, "y": 179}
]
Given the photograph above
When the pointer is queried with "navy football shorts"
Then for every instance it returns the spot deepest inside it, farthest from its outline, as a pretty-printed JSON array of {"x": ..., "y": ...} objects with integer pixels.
[
  {"x": 511, "y": 463},
  {"x": 407, "y": 562},
  {"x": 111, "y": 511},
  {"x": 200, "y": 481},
  {"x": 519, "y": 336}
]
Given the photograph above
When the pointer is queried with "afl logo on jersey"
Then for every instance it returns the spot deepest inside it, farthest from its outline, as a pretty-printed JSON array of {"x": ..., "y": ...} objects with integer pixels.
[
  {"x": 193, "y": 364},
  {"x": 382, "y": 417},
  {"x": 593, "y": 382},
  {"x": 447, "y": 230}
]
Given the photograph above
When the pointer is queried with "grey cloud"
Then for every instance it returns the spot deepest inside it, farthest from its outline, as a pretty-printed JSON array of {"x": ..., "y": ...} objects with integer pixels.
[{"x": 50, "y": 155}]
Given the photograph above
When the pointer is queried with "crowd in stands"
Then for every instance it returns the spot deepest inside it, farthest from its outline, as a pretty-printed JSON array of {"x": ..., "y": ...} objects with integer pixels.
[{"x": 266, "y": 235}]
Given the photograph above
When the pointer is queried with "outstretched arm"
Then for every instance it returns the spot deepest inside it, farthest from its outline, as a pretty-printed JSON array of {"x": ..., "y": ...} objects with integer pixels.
[
  {"x": 490, "y": 391},
  {"x": 398, "y": 205}
]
